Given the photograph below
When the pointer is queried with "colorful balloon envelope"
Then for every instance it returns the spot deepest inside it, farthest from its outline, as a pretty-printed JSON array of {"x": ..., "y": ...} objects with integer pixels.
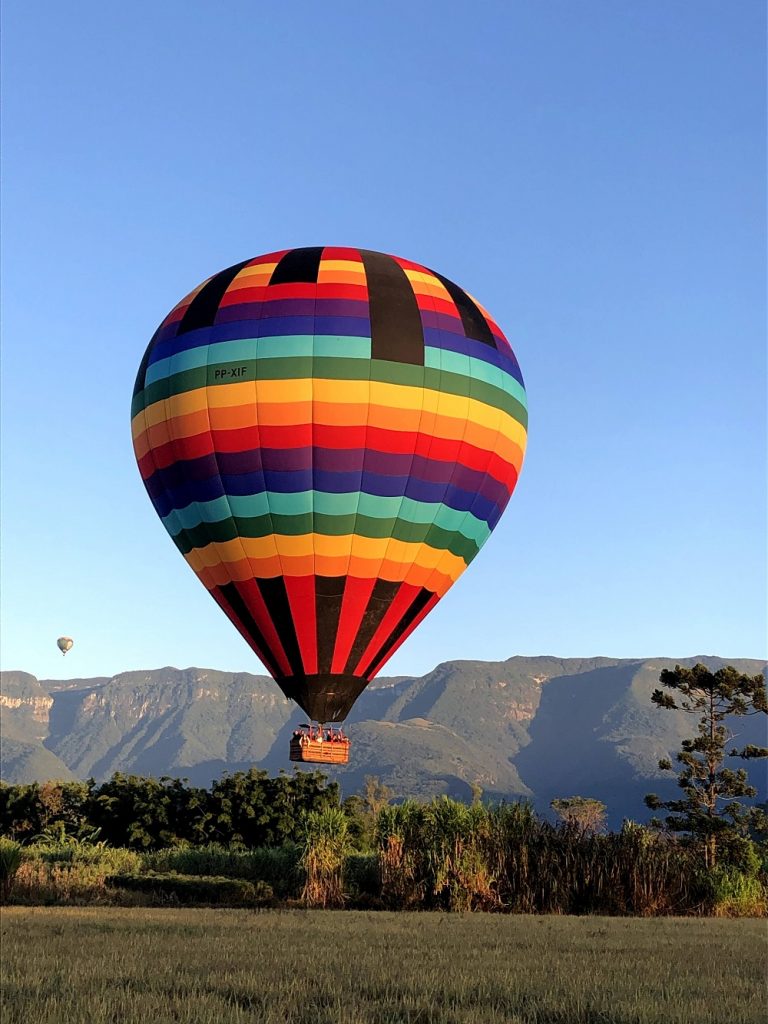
[{"x": 329, "y": 435}]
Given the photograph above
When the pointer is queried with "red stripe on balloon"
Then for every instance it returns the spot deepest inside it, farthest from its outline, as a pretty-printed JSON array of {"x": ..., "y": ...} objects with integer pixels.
[
  {"x": 377, "y": 665},
  {"x": 301, "y": 597},
  {"x": 341, "y": 252},
  {"x": 402, "y": 601},
  {"x": 392, "y": 442},
  {"x": 251, "y": 595},
  {"x": 357, "y": 593},
  {"x": 265, "y": 655}
]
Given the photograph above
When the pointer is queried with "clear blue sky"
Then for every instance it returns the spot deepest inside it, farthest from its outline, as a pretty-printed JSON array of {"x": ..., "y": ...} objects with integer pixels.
[{"x": 593, "y": 172}]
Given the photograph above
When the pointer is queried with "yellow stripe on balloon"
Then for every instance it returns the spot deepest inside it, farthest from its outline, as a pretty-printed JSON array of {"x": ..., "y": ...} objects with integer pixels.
[
  {"x": 331, "y": 270},
  {"x": 335, "y": 394},
  {"x": 252, "y": 276},
  {"x": 268, "y": 568},
  {"x": 372, "y": 549}
]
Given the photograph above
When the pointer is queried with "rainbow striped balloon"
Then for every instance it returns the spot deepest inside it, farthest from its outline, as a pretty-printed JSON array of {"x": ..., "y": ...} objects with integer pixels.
[{"x": 329, "y": 435}]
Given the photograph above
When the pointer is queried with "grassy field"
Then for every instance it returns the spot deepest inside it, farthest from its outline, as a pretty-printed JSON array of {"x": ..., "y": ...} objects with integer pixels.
[{"x": 87, "y": 966}]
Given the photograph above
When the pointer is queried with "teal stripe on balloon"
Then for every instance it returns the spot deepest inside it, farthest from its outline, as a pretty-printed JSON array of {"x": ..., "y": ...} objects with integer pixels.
[
  {"x": 370, "y": 505},
  {"x": 303, "y": 345},
  {"x": 479, "y": 369}
]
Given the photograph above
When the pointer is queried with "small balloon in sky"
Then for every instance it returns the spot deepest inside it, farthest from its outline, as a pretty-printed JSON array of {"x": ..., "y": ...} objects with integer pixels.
[
  {"x": 329, "y": 435},
  {"x": 65, "y": 643}
]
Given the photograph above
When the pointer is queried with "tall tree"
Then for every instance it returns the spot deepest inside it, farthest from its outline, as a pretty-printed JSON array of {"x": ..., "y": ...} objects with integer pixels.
[{"x": 712, "y": 808}]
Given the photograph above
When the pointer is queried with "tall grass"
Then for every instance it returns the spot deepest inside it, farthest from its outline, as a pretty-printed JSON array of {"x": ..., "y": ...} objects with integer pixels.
[
  {"x": 52, "y": 872},
  {"x": 326, "y": 844},
  {"x": 397, "y": 832},
  {"x": 10, "y": 862},
  {"x": 452, "y": 856}
]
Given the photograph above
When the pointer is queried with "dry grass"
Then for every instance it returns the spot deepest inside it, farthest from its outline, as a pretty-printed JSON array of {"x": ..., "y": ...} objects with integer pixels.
[{"x": 92, "y": 966}]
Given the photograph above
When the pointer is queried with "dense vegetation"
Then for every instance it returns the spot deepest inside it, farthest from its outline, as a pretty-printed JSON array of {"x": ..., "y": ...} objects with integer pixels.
[
  {"x": 229, "y": 967},
  {"x": 252, "y": 840},
  {"x": 249, "y": 809},
  {"x": 365, "y": 853}
]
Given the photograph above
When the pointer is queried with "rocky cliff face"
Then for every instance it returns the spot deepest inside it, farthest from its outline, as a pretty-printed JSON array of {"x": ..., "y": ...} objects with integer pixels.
[
  {"x": 534, "y": 727},
  {"x": 25, "y": 707}
]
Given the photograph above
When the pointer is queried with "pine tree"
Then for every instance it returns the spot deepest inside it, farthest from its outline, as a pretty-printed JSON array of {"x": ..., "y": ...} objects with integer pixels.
[{"x": 712, "y": 810}]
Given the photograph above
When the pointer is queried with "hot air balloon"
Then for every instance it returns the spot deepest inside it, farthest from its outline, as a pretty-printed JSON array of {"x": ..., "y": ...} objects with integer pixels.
[
  {"x": 329, "y": 435},
  {"x": 65, "y": 643}
]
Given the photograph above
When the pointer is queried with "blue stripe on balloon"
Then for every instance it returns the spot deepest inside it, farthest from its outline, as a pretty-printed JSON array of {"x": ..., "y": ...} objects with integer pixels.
[
  {"x": 335, "y": 327},
  {"x": 166, "y": 499}
]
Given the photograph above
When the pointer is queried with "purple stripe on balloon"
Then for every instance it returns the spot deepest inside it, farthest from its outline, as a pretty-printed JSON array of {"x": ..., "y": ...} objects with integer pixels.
[
  {"x": 442, "y": 322},
  {"x": 292, "y": 307},
  {"x": 305, "y": 469},
  {"x": 321, "y": 460},
  {"x": 178, "y": 497},
  {"x": 331, "y": 460},
  {"x": 336, "y": 326}
]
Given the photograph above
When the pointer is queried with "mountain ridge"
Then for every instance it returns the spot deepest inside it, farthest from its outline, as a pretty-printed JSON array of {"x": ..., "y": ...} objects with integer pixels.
[{"x": 533, "y": 727}]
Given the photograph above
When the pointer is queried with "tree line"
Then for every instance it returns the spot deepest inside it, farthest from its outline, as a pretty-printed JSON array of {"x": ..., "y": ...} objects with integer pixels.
[
  {"x": 247, "y": 809},
  {"x": 712, "y": 818}
]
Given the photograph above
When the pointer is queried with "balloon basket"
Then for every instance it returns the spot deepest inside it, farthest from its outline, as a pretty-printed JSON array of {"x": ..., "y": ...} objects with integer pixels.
[{"x": 318, "y": 746}]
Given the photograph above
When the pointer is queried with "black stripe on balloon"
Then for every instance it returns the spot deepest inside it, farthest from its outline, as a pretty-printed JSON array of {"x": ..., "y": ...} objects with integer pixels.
[
  {"x": 378, "y": 603},
  {"x": 397, "y": 333},
  {"x": 276, "y": 599},
  {"x": 234, "y": 599},
  {"x": 474, "y": 323},
  {"x": 421, "y": 599},
  {"x": 329, "y": 591},
  {"x": 298, "y": 266},
  {"x": 201, "y": 312}
]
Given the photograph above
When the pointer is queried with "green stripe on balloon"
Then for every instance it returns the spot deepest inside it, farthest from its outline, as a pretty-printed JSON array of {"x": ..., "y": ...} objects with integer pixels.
[
  {"x": 328, "y": 526},
  {"x": 321, "y": 368}
]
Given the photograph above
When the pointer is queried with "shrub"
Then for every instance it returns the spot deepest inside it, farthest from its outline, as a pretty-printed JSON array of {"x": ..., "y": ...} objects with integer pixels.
[
  {"x": 54, "y": 873},
  {"x": 362, "y": 876},
  {"x": 196, "y": 889},
  {"x": 108, "y": 859},
  {"x": 736, "y": 894},
  {"x": 10, "y": 862},
  {"x": 278, "y": 867}
]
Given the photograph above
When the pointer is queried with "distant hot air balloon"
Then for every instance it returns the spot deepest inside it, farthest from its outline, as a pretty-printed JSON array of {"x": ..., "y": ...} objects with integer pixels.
[
  {"x": 329, "y": 435},
  {"x": 65, "y": 643}
]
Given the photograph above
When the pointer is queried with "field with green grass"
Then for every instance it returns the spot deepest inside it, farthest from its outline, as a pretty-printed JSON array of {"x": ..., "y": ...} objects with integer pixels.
[{"x": 94, "y": 965}]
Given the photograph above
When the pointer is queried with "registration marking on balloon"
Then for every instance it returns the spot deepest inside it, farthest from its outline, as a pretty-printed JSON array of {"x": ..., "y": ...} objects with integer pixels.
[{"x": 329, "y": 435}]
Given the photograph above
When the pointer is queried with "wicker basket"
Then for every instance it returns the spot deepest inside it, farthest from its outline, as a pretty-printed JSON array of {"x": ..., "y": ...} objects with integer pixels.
[{"x": 319, "y": 751}]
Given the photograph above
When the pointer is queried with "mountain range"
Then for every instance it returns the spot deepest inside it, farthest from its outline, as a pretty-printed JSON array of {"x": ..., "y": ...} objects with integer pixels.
[{"x": 539, "y": 728}]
